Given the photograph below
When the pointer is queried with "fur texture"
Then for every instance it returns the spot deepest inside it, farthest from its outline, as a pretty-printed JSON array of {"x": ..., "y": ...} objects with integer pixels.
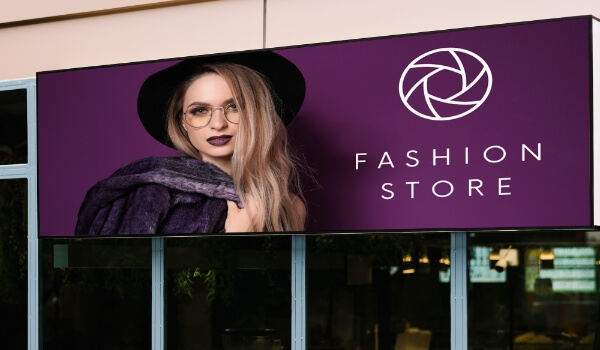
[{"x": 167, "y": 196}]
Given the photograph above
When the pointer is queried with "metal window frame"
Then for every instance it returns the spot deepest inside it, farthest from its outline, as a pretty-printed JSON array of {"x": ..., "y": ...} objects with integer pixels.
[
  {"x": 159, "y": 329},
  {"x": 298, "y": 292},
  {"x": 458, "y": 292},
  {"x": 29, "y": 172}
]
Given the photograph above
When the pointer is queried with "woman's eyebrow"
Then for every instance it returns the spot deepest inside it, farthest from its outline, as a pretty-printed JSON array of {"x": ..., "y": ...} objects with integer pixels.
[{"x": 200, "y": 103}]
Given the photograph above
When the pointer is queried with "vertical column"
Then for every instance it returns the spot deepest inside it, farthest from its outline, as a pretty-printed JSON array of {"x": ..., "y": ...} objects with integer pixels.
[
  {"x": 34, "y": 324},
  {"x": 264, "y": 24},
  {"x": 458, "y": 291},
  {"x": 298, "y": 292},
  {"x": 158, "y": 294},
  {"x": 595, "y": 47}
]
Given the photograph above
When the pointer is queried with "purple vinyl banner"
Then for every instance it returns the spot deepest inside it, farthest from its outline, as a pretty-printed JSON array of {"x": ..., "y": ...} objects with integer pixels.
[{"x": 475, "y": 129}]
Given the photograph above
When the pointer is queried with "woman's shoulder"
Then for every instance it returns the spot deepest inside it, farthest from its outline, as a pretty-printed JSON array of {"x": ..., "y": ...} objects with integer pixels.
[
  {"x": 299, "y": 205},
  {"x": 178, "y": 173},
  {"x": 181, "y": 164}
]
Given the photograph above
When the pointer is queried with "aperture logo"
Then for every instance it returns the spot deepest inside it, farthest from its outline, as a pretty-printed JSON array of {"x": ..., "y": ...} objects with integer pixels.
[{"x": 445, "y": 84}]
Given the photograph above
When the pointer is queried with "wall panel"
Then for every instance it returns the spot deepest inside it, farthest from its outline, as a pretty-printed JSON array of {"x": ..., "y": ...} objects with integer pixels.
[
  {"x": 291, "y": 22},
  {"x": 207, "y": 27},
  {"x": 25, "y": 10}
]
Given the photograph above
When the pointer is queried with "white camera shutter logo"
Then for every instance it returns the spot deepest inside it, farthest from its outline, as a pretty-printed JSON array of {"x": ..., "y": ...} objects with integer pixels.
[{"x": 457, "y": 100}]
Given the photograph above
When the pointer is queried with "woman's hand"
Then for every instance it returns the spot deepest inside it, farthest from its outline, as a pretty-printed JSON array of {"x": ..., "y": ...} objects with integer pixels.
[{"x": 239, "y": 220}]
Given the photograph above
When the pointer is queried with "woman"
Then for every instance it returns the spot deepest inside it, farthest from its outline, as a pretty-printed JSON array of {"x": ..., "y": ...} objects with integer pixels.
[{"x": 227, "y": 115}]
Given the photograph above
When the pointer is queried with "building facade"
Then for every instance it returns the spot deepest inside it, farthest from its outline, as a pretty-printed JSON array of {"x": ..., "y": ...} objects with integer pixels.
[{"x": 426, "y": 290}]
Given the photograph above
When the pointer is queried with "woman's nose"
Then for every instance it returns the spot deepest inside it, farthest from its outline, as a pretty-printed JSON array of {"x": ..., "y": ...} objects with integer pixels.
[{"x": 218, "y": 120}]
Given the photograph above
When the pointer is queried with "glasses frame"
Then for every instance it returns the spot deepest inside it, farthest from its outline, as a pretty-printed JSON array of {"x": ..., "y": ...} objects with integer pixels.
[{"x": 222, "y": 108}]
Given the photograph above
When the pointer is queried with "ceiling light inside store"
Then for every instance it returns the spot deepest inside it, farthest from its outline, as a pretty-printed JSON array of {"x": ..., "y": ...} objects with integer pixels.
[
  {"x": 501, "y": 265},
  {"x": 494, "y": 255},
  {"x": 500, "y": 259},
  {"x": 510, "y": 255},
  {"x": 408, "y": 266},
  {"x": 546, "y": 259},
  {"x": 445, "y": 259},
  {"x": 547, "y": 254}
]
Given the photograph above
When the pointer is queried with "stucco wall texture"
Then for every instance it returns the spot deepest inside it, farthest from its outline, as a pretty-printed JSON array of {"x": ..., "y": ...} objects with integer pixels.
[{"x": 69, "y": 34}]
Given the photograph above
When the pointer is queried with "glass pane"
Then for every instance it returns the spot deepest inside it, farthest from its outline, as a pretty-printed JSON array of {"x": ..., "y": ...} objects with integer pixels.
[
  {"x": 225, "y": 290},
  {"x": 378, "y": 291},
  {"x": 539, "y": 289},
  {"x": 13, "y": 126},
  {"x": 13, "y": 263},
  {"x": 97, "y": 294}
]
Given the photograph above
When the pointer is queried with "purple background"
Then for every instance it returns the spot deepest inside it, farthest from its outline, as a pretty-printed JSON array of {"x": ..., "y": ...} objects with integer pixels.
[{"x": 88, "y": 128}]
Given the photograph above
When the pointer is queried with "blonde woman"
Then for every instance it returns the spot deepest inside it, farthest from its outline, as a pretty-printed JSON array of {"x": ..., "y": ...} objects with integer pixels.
[{"x": 227, "y": 115}]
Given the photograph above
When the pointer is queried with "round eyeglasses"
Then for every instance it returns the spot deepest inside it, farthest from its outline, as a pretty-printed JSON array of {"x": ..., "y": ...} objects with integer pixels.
[{"x": 198, "y": 116}]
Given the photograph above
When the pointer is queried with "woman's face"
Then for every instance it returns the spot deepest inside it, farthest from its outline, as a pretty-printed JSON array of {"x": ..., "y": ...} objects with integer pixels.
[{"x": 216, "y": 140}]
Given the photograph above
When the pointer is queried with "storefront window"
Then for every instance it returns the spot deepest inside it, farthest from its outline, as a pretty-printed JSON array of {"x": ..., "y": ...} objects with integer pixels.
[
  {"x": 13, "y": 263},
  {"x": 13, "y": 126},
  {"x": 378, "y": 291},
  {"x": 96, "y": 294},
  {"x": 226, "y": 291},
  {"x": 533, "y": 290}
]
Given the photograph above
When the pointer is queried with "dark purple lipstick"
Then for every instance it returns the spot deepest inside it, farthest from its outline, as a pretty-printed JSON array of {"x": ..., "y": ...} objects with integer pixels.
[{"x": 219, "y": 140}]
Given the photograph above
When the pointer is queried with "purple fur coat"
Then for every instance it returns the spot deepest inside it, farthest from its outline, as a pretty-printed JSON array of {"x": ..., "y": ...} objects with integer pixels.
[{"x": 166, "y": 196}]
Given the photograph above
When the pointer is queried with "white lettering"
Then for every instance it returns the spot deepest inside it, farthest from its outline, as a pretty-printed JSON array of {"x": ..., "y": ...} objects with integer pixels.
[
  {"x": 485, "y": 154},
  {"x": 445, "y": 188},
  {"x": 412, "y": 188},
  {"x": 391, "y": 193},
  {"x": 433, "y": 188},
  {"x": 501, "y": 186},
  {"x": 475, "y": 187},
  {"x": 385, "y": 160},
  {"x": 537, "y": 155},
  {"x": 446, "y": 156},
  {"x": 408, "y": 155},
  {"x": 360, "y": 160}
]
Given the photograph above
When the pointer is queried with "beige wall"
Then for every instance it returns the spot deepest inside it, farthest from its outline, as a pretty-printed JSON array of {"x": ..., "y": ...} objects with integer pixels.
[
  {"x": 23, "y": 10},
  {"x": 202, "y": 27},
  {"x": 77, "y": 33},
  {"x": 310, "y": 21}
]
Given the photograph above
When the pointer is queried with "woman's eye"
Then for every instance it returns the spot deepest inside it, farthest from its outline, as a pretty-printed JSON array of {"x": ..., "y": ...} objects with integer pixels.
[
  {"x": 198, "y": 111},
  {"x": 231, "y": 107}
]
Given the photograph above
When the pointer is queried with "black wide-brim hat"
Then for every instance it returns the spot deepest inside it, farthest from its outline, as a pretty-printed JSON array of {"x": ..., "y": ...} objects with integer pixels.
[{"x": 285, "y": 79}]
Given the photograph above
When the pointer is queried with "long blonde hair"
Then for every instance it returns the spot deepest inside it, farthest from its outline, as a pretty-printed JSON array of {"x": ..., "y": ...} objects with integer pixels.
[{"x": 263, "y": 167}]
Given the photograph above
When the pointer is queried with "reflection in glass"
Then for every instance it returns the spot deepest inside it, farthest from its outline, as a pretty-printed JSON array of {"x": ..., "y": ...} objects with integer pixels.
[
  {"x": 546, "y": 295},
  {"x": 13, "y": 126},
  {"x": 13, "y": 263},
  {"x": 225, "y": 290},
  {"x": 96, "y": 294},
  {"x": 378, "y": 291}
]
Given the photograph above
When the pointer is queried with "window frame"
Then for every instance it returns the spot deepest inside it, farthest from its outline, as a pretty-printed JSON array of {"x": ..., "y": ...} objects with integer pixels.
[{"x": 28, "y": 171}]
